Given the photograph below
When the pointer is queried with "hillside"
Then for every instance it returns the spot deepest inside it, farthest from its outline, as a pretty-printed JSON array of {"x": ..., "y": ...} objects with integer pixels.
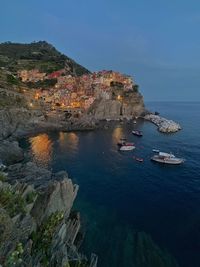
[{"x": 37, "y": 55}]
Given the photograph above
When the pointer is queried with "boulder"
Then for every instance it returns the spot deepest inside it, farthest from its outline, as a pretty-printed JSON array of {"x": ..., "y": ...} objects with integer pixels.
[
  {"x": 59, "y": 196},
  {"x": 10, "y": 152}
]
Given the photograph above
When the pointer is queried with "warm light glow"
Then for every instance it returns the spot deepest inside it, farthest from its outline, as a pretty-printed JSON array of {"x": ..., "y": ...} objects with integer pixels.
[
  {"x": 41, "y": 147},
  {"x": 68, "y": 141},
  {"x": 37, "y": 96},
  {"x": 62, "y": 104},
  {"x": 119, "y": 97},
  {"x": 31, "y": 104},
  {"x": 117, "y": 134},
  {"x": 76, "y": 104}
]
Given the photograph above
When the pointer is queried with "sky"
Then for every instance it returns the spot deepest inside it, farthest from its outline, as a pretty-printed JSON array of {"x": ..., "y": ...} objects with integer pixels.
[{"x": 157, "y": 42}]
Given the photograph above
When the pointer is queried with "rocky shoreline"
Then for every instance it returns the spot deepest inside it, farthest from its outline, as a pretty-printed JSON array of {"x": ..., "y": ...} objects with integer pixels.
[
  {"x": 38, "y": 226},
  {"x": 164, "y": 125}
]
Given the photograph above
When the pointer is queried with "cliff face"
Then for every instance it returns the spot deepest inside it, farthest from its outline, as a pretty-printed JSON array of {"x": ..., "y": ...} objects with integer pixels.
[
  {"x": 37, "y": 226},
  {"x": 11, "y": 119},
  {"x": 128, "y": 106}
]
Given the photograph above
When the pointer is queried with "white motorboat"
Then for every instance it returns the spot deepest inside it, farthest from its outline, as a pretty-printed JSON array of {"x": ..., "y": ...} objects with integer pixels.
[
  {"x": 167, "y": 158},
  {"x": 127, "y": 147}
]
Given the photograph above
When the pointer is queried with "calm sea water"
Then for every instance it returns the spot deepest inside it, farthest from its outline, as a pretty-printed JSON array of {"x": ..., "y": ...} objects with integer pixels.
[{"x": 118, "y": 195}]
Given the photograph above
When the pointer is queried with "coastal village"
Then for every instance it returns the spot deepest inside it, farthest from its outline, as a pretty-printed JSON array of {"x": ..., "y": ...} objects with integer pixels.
[{"x": 76, "y": 93}]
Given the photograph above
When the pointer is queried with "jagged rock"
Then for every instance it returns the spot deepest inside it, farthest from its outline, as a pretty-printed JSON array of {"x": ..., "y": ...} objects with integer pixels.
[
  {"x": 11, "y": 119},
  {"x": 114, "y": 109},
  {"x": 29, "y": 173},
  {"x": 107, "y": 109},
  {"x": 5, "y": 226},
  {"x": 93, "y": 260},
  {"x": 10, "y": 152},
  {"x": 58, "y": 197}
]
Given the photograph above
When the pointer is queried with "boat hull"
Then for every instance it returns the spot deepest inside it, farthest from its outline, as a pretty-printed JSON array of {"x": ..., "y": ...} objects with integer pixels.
[
  {"x": 174, "y": 161},
  {"x": 126, "y": 148},
  {"x": 137, "y": 133}
]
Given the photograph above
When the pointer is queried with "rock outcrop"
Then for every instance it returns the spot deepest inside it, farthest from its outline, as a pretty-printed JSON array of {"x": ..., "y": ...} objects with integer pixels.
[
  {"x": 58, "y": 196},
  {"x": 10, "y": 152},
  {"x": 18, "y": 121},
  {"x": 131, "y": 106},
  {"x": 37, "y": 226},
  {"x": 164, "y": 125}
]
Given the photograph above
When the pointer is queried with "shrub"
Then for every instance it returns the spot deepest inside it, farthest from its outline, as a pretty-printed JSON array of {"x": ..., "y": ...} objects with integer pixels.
[
  {"x": 2, "y": 177},
  {"x": 14, "y": 258},
  {"x": 43, "y": 237},
  {"x": 136, "y": 88},
  {"x": 31, "y": 197},
  {"x": 12, "y": 202},
  {"x": 12, "y": 79}
]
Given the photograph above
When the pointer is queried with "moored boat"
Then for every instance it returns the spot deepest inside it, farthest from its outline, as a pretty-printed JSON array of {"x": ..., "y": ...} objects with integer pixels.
[
  {"x": 127, "y": 147},
  {"x": 137, "y": 132},
  {"x": 167, "y": 158},
  {"x": 138, "y": 159}
]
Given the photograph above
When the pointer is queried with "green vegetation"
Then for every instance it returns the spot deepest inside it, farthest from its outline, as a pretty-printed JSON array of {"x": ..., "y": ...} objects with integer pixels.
[
  {"x": 116, "y": 84},
  {"x": 43, "y": 237},
  {"x": 136, "y": 88},
  {"x": 39, "y": 55},
  {"x": 12, "y": 79},
  {"x": 2, "y": 177},
  {"x": 12, "y": 202},
  {"x": 30, "y": 197},
  {"x": 15, "y": 257},
  {"x": 43, "y": 84}
]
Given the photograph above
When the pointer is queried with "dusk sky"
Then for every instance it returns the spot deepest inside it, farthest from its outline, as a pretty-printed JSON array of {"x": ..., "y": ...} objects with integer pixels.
[{"x": 157, "y": 42}]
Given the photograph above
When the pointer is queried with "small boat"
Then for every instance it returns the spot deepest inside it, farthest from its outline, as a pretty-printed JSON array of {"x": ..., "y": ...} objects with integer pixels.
[
  {"x": 134, "y": 121},
  {"x": 127, "y": 147},
  {"x": 167, "y": 158},
  {"x": 137, "y": 132},
  {"x": 156, "y": 150},
  {"x": 138, "y": 159}
]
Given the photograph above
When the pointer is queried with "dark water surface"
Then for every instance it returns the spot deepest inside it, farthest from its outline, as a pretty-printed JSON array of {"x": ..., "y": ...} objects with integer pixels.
[{"x": 118, "y": 195}]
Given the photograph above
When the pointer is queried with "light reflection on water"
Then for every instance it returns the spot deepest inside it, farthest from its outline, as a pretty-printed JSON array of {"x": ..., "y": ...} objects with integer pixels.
[
  {"x": 117, "y": 134},
  {"x": 42, "y": 146},
  {"x": 68, "y": 141},
  {"x": 41, "y": 149}
]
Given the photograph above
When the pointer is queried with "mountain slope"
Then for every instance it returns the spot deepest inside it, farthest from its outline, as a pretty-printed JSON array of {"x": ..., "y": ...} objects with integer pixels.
[{"x": 40, "y": 55}]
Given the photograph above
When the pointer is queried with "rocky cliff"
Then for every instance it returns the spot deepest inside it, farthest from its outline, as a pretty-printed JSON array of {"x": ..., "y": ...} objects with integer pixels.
[
  {"x": 37, "y": 224},
  {"x": 129, "y": 107}
]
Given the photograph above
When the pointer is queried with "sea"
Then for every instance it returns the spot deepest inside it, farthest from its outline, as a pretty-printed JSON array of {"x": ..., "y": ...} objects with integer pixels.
[{"x": 130, "y": 209}]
